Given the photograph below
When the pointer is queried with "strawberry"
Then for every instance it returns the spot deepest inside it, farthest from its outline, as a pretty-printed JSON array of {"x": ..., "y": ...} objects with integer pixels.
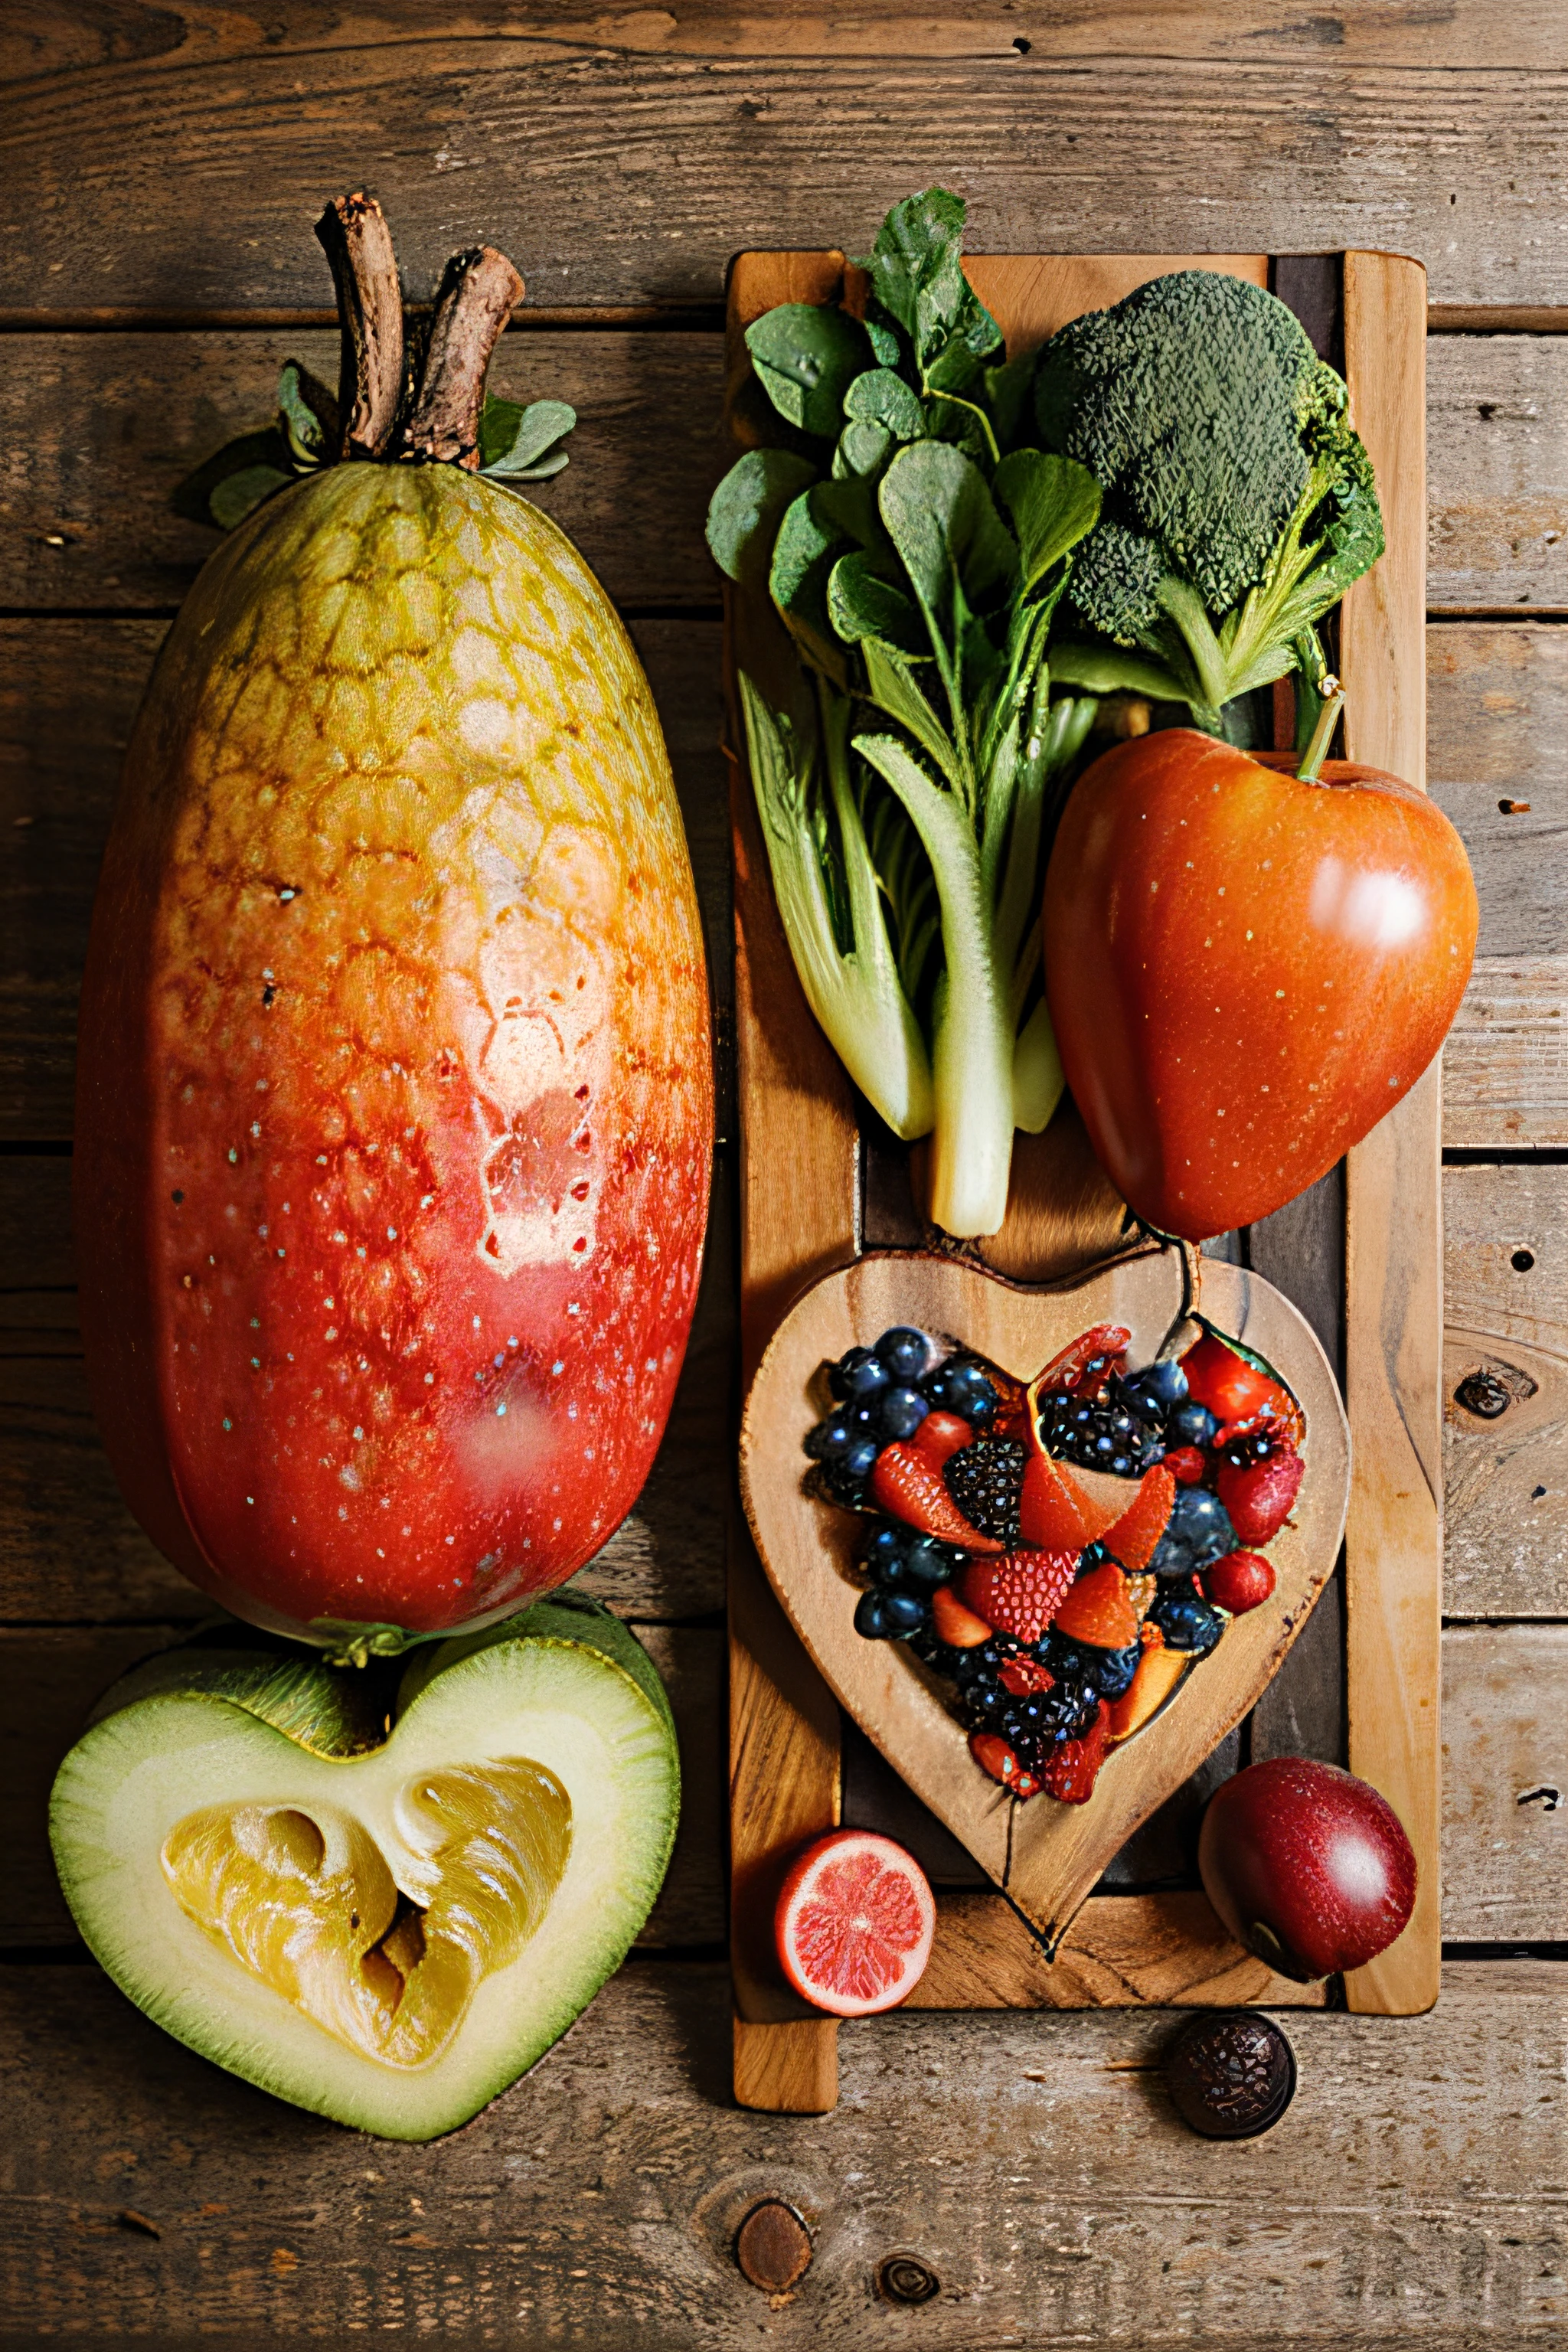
[
  {"x": 959, "y": 1627},
  {"x": 1240, "y": 1582},
  {"x": 1233, "y": 1383},
  {"x": 1259, "y": 1495},
  {"x": 1019, "y": 1593},
  {"x": 1055, "y": 1514},
  {"x": 1066, "y": 1370},
  {"x": 1136, "y": 1533},
  {"x": 1024, "y": 1676},
  {"x": 1099, "y": 1610},
  {"x": 1071, "y": 1773},
  {"x": 993, "y": 1755},
  {"x": 941, "y": 1436},
  {"x": 1188, "y": 1465},
  {"x": 907, "y": 1486}
]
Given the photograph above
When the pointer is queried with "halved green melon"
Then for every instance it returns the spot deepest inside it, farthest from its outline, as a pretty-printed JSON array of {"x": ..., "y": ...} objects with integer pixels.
[{"x": 385, "y": 1919}]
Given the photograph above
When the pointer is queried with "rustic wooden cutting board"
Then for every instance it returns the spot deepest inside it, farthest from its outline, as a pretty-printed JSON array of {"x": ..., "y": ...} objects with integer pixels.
[{"x": 802, "y": 1187}]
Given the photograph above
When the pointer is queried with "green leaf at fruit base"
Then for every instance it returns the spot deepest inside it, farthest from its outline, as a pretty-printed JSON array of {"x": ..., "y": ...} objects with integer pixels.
[
  {"x": 519, "y": 445},
  {"x": 806, "y": 355},
  {"x": 1051, "y": 502},
  {"x": 307, "y": 416},
  {"x": 747, "y": 509}
]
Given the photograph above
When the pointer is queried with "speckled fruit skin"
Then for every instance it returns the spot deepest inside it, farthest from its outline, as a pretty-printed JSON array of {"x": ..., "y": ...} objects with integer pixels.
[
  {"x": 394, "y": 1106},
  {"x": 1314, "y": 1859},
  {"x": 1244, "y": 972}
]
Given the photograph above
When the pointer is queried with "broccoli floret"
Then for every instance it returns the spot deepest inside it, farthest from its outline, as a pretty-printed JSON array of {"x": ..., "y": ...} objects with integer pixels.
[{"x": 1239, "y": 504}]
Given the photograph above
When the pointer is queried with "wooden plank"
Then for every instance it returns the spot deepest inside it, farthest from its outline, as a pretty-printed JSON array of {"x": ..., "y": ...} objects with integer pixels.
[
  {"x": 484, "y": 138},
  {"x": 800, "y": 1216},
  {"x": 1472, "y": 34},
  {"x": 1497, "y": 414},
  {"x": 1506, "y": 1477},
  {"x": 1393, "y": 1295},
  {"x": 55, "y": 1678},
  {"x": 1505, "y": 1783},
  {"x": 99, "y": 428},
  {"x": 1411, "y": 2197},
  {"x": 1121, "y": 1949},
  {"x": 1505, "y": 1065}
]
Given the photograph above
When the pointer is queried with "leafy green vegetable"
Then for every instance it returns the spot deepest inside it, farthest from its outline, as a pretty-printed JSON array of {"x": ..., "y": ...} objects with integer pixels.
[
  {"x": 906, "y": 795},
  {"x": 1239, "y": 504}
]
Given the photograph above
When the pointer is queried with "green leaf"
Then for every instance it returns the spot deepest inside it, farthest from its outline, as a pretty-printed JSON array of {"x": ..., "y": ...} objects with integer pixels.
[
  {"x": 917, "y": 275},
  {"x": 803, "y": 554},
  {"x": 307, "y": 416},
  {"x": 891, "y": 684},
  {"x": 862, "y": 601},
  {"x": 1007, "y": 395},
  {"x": 1104, "y": 668},
  {"x": 940, "y": 516},
  {"x": 746, "y": 510},
  {"x": 863, "y": 450},
  {"x": 881, "y": 396},
  {"x": 260, "y": 462},
  {"x": 806, "y": 354},
  {"x": 239, "y": 493},
  {"x": 1051, "y": 502},
  {"x": 514, "y": 440}
]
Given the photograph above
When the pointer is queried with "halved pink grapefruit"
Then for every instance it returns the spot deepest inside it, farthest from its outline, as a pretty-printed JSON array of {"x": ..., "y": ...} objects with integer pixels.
[{"x": 854, "y": 1923}]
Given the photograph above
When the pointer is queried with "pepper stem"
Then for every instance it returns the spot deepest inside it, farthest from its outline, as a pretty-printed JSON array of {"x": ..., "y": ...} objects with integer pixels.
[
  {"x": 475, "y": 302},
  {"x": 1316, "y": 751},
  {"x": 354, "y": 234}
]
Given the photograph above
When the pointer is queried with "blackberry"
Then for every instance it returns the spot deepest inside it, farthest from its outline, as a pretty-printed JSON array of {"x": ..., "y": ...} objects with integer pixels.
[
  {"x": 835, "y": 1481},
  {"x": 1187, "y": 1620},
  {"x": 1097, "y": 1432},
  {"x": 986, "y": 1480}
]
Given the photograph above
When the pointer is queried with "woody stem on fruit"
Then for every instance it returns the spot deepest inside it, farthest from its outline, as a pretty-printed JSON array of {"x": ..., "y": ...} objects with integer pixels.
[
  {"x": 478, "y": 295},
  {"x": 1317, "y": 750},
  {"x": 354, "y": 234}
]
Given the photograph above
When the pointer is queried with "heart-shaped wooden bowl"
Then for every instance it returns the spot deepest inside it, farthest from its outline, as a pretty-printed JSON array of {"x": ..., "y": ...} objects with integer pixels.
[{"x": 1045, "y": 1855}]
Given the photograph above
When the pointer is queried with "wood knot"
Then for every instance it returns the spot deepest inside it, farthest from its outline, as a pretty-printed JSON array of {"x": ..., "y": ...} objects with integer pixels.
[
  {"x": 773, "y": 2247},
  {"x": 904, "y": 2278},
  {"x": 1482, "y": 1394}
]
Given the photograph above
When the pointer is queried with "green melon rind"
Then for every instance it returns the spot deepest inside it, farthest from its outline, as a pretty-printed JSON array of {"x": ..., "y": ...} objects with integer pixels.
[{"x": 198, "y": 1994}]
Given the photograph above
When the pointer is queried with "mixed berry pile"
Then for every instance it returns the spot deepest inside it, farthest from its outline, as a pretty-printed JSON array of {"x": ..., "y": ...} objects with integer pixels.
[{"x": 1062, "y": 1619}]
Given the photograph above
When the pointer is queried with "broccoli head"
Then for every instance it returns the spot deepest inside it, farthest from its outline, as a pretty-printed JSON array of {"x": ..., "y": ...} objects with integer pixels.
[{"x": 1238, "y": 506}]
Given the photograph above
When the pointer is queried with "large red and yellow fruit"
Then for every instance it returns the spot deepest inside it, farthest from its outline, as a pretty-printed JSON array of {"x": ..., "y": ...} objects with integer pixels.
[
  {"x": 1245, "y": 970},
  {"x": 394, "y": 1106}
]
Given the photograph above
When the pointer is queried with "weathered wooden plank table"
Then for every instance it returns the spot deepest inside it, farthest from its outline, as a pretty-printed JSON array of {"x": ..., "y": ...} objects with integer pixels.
[{"x": 163, "y": 167}]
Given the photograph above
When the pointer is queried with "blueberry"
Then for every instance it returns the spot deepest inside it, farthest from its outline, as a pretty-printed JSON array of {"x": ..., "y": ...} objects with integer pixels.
[
  {"x": 833, "y": 1438},
  {"x": 905, "y": 1613},
  {"x": 1190, "y": 1424},
  {"x": 1201, "y": 1524},
  {"x": 1114, "y": 1669},
  {"x": 962, "y": 1388},
  {"x": 903, "y": 1352},
  {"x": 929, "y": 1564},
  {"x": 861, "y": 1372},
  {"x": 885, "y": 1549},
  {"x": 861, "y": 1458},
  {"x": 902, "y": 1412},
  {"x": 871, "y": 1616},
  {"x": 1187, "y": 1622}
]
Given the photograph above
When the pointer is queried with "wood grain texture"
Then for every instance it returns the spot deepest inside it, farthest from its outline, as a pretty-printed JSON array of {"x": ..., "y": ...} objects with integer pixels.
[
  {"x": 1506, "y": 1479},
  {"x": 1505, "y": 1065},
  {"x": 1497, "y": 702},
  {"x": 56, "y": 1677},
  {"x": 1505, "y": 1783},
  {"x": 1411, "y": 2198},
  {"x": 615, "y": 177},
  {"x": 1169, "y": 1950},
  {"x": 98, "y": 428},
  {"x": 56, "y": 42},
  {"x": 1497, "y": 411},
  {"x": 1393, "y": 1291},
  {"x": 1047, "y": 1856}
]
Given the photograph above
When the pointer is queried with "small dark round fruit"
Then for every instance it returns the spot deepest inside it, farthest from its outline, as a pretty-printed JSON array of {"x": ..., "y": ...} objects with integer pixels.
[
  {"x": 929, "y": 1564},
  {"x": 861, "y": 1458},
  {"x": 902, "y": 1412},
  {"x": 1191, "y": 1424},
  {"x": 904, "y": 1351},
  {"x": 1166, "y": 1380},
  {"x": 1199, "y": 1531},
  {"x": 871, "y": 1619},
  {"x": 904, "y": 1613},
  {"x": 1306, "y": 1865},
  {"x": 885, "y": 1546},
  {"x": 1231, "y": 2075},
  {"x": 832, "y": 1438},
  {"x": 1108, "y": 1671},
  {"x": 1187, "y": 1622},
  {"x": 863, "y": 1373},
  {"x": 964, "y": 1389}
]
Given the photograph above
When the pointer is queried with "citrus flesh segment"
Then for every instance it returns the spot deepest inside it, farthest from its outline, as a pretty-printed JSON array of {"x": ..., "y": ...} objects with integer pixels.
[
  {"x": 854, "y": 1922},
  {"x": 388, "y": 1937}
]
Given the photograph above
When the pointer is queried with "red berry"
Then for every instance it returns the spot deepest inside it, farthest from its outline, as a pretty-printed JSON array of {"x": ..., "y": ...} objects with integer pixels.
[
  {"x": 941, "y": 1436},
  {"x": 1188, "y": 1465},
  {"x": 1066, "y": 1370},
  {"x": 1055, "y": 1513},
  {"x": 1099, "y": 1610},
  {"x": 1024, "y": 1676},
  {"x": 1240, "y": 1582},
  {"x": 1258, "y": 1497},
  {"x": 1073, "y": 1769},
  {"x": 907, "y": 1486},
  {"x": 993, "y": 1755},
  {"x": 1020, "y": 1592},
  {"x": 959, "y": 1627}
]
